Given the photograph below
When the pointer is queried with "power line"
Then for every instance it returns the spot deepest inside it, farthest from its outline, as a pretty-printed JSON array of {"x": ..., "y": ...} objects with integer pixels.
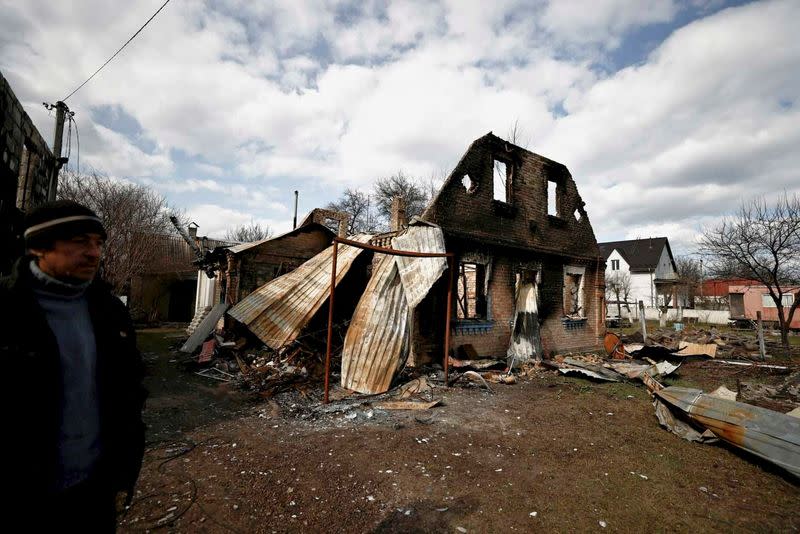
[{"x": 118, "y": 51}]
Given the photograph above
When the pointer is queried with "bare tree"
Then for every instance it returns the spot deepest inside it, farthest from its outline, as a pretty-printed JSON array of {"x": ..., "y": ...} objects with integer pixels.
[
  {"x": 764, "y": 241},
  {"x": 618, "y": 289},
  {"x": 247, "y": 233},
  {"x": 516, "y": 135},
  {"x": 357, "y": 204},
  {"x": 413, "y": 191},
  {"x": 132, "y": 215},
  {"x": 689, "y": 275}
]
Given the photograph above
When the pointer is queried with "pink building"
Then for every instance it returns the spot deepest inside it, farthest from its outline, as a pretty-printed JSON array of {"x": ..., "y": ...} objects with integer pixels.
[{"x": 745, "y": 301}]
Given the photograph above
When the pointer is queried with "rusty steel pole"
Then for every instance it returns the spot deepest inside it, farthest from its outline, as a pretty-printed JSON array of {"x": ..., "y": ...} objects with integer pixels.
[
  {"x": 330, "y": 318},
  {"x": 450, "y": 262}
]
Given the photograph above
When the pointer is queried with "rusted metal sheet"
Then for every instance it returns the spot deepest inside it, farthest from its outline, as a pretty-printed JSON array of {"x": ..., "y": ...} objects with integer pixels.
[
  {"x": 277, "y": 311},
  {"x": 768, "y": 434},
  {"x": 378, "y": 339}
]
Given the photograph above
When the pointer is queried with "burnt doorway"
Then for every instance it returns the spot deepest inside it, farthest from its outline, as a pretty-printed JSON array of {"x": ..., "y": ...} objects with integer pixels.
[
  {"x": 526, "y": 341},
  {"x": 181, "y": 300}
]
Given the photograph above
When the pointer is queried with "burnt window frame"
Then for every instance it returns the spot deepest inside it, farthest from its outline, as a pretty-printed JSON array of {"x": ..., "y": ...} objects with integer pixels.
[{"x": 481, "y": 298}]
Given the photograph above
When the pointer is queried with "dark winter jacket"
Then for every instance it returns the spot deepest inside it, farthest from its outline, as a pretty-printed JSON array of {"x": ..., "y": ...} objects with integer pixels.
[{"x": 31, "y": 389}]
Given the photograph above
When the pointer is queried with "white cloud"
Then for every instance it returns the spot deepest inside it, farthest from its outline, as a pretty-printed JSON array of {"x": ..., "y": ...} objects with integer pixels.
[
  {"x": 602, "y": 21},
  {"x": 269, "y": 95},
  {"x": 214, "y": 220}
]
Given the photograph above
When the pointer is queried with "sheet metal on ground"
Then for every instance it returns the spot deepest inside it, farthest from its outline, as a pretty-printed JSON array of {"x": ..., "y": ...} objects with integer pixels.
[
  {"x": 205, "y": 327},
  {"x": 768, "y": 434},
  {"x": 277, "y": 311},
  {"x": 378, "y": 339}
]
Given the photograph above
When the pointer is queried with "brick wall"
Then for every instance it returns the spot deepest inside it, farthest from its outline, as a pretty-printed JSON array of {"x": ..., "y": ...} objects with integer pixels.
[{"x": 523, "y": 222}]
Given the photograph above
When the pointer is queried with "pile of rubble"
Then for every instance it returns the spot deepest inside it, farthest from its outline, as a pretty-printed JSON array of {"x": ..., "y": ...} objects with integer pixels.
[{"x": 729, "y": 344}]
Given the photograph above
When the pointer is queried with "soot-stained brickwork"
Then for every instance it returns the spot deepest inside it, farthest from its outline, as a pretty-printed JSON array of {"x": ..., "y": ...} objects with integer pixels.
[{"x": 517, "y": 234}]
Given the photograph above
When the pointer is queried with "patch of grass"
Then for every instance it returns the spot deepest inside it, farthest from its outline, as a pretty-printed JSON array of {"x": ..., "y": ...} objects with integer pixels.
[
  {"x": 622, "y": 390},
  {"x": 674, "y": 380}
]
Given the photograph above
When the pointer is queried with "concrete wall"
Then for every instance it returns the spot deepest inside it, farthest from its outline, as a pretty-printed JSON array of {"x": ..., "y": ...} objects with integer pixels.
[
  {"x": 719, "y": 317},
  {"x": 26, "y": 164}
]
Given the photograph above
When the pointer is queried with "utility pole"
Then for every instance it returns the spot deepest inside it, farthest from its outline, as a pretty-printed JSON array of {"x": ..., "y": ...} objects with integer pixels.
[
  {"x": 294, "y": 221},
  {"x": 62, "y": 112}
]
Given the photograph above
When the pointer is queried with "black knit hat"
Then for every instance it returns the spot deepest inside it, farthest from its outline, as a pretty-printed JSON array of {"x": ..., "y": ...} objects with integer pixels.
[{"x": 62, "y": 219}]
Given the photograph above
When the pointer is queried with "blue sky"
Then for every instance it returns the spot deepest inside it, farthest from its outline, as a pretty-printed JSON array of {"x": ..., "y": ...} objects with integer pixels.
[{"x": 667, "y": 113}]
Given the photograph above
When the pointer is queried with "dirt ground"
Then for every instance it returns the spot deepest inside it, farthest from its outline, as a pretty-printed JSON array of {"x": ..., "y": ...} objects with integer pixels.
[{"x": 549, "y": 453}]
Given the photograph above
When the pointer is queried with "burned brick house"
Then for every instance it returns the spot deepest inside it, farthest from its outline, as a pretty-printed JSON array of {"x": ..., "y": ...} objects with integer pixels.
[
  {"x": 527, "y": 278},
  {"x": 526, "y": 255}
]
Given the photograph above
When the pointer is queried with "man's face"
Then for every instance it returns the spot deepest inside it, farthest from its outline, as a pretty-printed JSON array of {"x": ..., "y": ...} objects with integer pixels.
[{"x": 77, "y": 258}]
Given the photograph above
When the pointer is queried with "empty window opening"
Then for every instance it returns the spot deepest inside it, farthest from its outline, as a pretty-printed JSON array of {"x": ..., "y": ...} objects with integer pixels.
[
  {"x": 500, "y": 181},
  {"x": 468, "y": 184},
  {"x": 573, "y": 292},
  {"x": 578, "y": 215},
  {"x": 471, "y": 291},
  {"x": 552, "y": 198},
  {"x": 615, "y": 265}
]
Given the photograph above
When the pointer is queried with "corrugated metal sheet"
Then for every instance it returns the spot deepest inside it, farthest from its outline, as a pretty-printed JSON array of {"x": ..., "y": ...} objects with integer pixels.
[
  {"x": 277, "y": 311},
  {"x": 768, "y": 434},
  {"x": 419, "y": 274},
  {"x": 377, "y": 342}
]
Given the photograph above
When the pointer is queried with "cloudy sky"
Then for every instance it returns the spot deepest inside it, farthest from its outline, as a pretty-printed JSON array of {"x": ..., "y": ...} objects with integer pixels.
[{"x": 667, "y": 113}]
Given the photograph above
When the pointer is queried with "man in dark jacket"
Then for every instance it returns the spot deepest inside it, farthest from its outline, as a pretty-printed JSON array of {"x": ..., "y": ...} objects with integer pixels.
[{"x": 73, "y": 431}]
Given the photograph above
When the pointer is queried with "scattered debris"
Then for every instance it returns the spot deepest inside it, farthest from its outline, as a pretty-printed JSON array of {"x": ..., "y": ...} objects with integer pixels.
[
  {"x": 697, "y": 349},
  {"x": 208, "y": 351},
  {"x": 406, "y": 405},
  {"x": 216, "y": 374},
  {"x": 724, "y": 393},
  {"x": 477, "y": 365}
]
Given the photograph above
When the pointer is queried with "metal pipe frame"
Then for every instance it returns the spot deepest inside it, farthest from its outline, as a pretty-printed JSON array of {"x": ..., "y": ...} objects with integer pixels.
[{"x": 382, "y": 250}]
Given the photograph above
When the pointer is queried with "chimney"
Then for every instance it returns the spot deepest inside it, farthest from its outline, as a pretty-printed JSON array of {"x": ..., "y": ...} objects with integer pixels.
[
  {"x": 193, "y": 226},
  {"x": 397, "y": 215},
  {"x": 344, "y": 222}
]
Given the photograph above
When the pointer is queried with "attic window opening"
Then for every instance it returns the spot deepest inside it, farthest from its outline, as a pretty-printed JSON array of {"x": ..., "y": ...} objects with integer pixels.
[
  {"x": 577, "y": 215},
  {"x": 501, "y": 181},
  {"x": 471, "y": 291},
  {"x": 468, "y": 183},
  {"x": 615, "y": 265},
  {"x": 552, "y": 198}
]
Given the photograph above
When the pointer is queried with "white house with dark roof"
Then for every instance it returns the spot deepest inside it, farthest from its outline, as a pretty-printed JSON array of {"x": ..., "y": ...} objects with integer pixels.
[{"x": 652, "y": 269}]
